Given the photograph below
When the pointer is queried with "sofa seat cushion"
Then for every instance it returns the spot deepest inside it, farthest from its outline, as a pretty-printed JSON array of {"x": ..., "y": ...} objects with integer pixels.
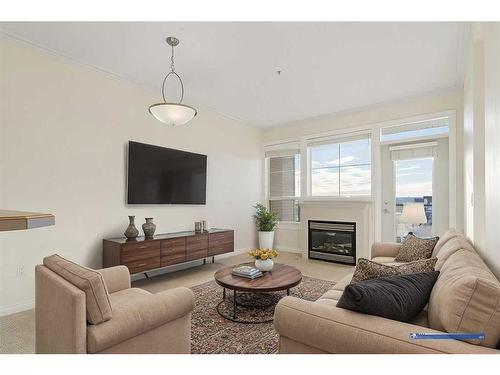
[
  {"x": 466, "y": 298},
  {"x": 343, "y": 282},
  {"x": 332, "y": 294},
  {"x": 327, "y": 301},
  {"x": 136, "y": 311},
  {"x": 421, "y": 319},
  {"x": 91, "y": 282}
]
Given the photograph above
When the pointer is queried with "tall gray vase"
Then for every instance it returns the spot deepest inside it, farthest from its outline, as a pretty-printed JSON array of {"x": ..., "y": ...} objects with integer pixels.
[
  {"x": 149, "y": 227},
  {"x": 131, "y": 232}
]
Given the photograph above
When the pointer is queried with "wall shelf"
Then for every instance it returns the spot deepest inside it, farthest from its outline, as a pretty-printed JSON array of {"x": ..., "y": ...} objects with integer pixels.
[{"x": 18, "y": 220}]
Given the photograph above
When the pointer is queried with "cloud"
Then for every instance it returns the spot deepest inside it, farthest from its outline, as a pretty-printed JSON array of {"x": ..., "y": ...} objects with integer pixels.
[
  {"x": 353, "y": 181},
  {"x": 345, "y": 159}
]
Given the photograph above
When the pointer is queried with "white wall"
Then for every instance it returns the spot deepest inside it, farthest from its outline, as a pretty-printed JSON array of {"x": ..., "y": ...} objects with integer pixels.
[
  {"x": 482, "y": 149},
  {"x": 63, "y": 135}
]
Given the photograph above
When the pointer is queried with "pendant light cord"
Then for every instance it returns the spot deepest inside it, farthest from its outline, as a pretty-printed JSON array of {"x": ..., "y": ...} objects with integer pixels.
[{"x": 172, "y": 66}]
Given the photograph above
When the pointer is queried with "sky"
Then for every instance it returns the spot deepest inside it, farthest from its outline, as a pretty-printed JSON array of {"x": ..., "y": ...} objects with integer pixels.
[
  {"x": 351, "y": 159},
  {"x": 413, "y": 177}
]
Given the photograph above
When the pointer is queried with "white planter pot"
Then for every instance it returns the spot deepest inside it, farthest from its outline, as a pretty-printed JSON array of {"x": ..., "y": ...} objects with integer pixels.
[
  {"x": 264, "y": 265},
  {"x": 266, "y": 240}
]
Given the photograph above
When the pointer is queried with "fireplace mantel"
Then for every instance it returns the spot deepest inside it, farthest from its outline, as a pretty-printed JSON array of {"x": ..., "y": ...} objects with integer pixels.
[{"x": 359, "y": 211}]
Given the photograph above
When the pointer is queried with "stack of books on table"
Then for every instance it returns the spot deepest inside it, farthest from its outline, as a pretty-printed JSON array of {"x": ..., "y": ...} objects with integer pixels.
[{"x": 247, "y": 271}]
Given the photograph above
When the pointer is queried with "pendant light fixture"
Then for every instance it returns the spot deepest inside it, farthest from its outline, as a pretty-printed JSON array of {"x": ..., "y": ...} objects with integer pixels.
[{"x": 169, "y": 112}]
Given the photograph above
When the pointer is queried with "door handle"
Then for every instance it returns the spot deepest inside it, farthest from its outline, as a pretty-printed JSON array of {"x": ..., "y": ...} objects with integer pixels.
[{"x": 386, "y": 211}]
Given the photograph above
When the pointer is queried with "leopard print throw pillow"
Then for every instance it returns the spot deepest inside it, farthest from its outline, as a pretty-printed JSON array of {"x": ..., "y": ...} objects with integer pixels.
[
  {"x": 367, "y": 269},
  {"x": 414, "y": 248}
]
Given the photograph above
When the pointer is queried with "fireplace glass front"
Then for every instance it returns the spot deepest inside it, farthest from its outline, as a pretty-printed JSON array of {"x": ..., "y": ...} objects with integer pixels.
[{"x": 332, "y": 241}]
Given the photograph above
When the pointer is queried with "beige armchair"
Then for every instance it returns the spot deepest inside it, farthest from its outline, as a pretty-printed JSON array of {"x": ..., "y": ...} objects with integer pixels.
[{"x": 139, "y": 322}]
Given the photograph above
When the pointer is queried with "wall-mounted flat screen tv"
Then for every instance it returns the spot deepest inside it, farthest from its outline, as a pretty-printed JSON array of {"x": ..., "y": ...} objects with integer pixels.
[{"x": 159, "y": 175}]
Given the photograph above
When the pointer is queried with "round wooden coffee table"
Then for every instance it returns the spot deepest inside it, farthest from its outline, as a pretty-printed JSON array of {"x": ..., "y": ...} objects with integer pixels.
[{"x": 282, "y": 277}]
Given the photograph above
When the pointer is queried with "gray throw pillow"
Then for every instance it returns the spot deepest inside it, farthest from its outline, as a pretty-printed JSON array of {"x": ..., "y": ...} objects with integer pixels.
[
  {"x": 414, "y": 248},
  {"x": 399, "y": 297},
  {"x": 367, "y": 269}
]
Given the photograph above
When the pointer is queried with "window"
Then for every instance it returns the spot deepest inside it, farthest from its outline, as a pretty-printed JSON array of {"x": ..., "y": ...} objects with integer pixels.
[
  {"x": 413, "y": 185},
  {"x": 341, "y": 169},
  {"x": 420, "y": 129},
  {"x": 284, "y": 184}
]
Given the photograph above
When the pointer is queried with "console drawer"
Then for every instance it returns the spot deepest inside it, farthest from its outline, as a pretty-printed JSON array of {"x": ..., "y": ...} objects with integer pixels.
[
  {"x": 197, "y": 242},
  {"x": 143, "y": 264},
  {"x": 173, "y": 251},
  {"x": 196, "y": 254},
  {"x": 172, "y": 259},
  {"x": 220, "y": 249},
  {"x": 138, "y": 251},
  {"x": 217, "y": 239},
  {"x": 173, "y": 242}
]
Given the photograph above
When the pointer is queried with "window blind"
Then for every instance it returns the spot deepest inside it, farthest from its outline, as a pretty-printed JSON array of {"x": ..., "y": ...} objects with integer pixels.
[
  {"x": 413, "y": 151},
  {"x": 320, "y": 141},
  {"x": 284, "y": 180}
]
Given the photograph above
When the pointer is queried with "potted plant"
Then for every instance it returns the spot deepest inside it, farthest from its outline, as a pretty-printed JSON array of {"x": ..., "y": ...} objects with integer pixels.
[
  {"x": 264, "y": 258},
  {"x": 266, "y": 222}
]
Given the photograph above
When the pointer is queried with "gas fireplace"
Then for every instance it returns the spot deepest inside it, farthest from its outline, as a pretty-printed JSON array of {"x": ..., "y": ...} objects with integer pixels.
[{"x": 333, "y": 241}]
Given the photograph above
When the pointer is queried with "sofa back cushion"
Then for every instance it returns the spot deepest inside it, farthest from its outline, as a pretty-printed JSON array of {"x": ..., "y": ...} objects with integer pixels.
[
  {"x": 466, "y": 298},
  {"x": 451, "y": 247},
  {"x": 97, "y": 301},
  {"x": 448, "y": 235}
]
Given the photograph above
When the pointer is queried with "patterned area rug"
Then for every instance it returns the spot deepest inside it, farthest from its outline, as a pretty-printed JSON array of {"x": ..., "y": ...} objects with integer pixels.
[{"x": 212, "y": 334}]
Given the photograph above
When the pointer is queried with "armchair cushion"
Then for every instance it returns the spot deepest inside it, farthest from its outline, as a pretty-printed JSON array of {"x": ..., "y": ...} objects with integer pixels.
[
  {"x": 116, "y": 278},
  {"x": 136, "y": 311},
  {"x": 89, "y": 281}
]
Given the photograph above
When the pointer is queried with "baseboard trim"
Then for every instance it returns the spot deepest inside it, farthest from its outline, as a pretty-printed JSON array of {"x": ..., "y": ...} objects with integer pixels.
[
  {"x": 288, "y": 249},
  {"x": 16, "y": 307}
]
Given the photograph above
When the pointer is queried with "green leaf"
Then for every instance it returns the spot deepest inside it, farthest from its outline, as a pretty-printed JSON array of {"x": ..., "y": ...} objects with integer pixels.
[{"x": 266, "y": 221}]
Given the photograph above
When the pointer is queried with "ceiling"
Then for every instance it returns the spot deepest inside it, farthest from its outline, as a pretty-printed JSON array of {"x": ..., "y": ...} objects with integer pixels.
[{"x": 232, "y": 68}]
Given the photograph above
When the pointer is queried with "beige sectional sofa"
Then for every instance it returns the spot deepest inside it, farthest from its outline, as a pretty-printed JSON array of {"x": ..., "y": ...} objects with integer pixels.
[
  {"x": 465, "y": 299},
  {"x": 136, "y": 322}
]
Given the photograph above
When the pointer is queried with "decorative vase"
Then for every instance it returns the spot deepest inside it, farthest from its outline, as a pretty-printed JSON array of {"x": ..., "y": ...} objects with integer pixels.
[
  {"x": 264, "y": 265},
  {"x": 131, "y": 232},
  {"x": 149, "y": 227},
  {"x": 266, "y": 240}
]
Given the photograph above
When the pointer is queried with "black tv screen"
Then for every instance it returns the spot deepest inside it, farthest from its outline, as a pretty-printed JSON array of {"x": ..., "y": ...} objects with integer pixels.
[{"x": 158, "y": 175}]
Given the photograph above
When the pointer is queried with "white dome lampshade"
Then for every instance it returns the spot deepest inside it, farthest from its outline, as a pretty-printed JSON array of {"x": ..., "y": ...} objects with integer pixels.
[
  {"x": 413, "y": 213},
  {"x": 172, "y": 113},
  {"x": 168, "y": 112}
]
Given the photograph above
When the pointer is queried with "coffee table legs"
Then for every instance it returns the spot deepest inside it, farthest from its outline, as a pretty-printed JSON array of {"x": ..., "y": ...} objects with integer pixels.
[
  {"x": 234, "y": 304},
  {"x": 234, "y": 300}
]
